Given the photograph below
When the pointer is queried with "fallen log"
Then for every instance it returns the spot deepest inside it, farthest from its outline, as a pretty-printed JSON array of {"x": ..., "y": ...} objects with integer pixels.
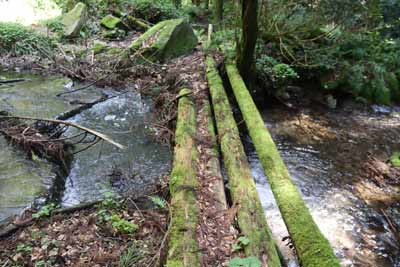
[
  {"x": 182, "y": 247},
  {"x": 313, "y": 249},
  {"x": 213, "y": 162},
  {"x": 250, "y": 214}
]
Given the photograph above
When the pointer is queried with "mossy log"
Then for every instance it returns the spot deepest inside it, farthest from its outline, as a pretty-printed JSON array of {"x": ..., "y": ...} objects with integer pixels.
[
  {"x": 183, "y": 248},
  {"x": 214, "y": 163},
  {"x": 312, "y": 248},
  {"x": 250, "y": 214}
]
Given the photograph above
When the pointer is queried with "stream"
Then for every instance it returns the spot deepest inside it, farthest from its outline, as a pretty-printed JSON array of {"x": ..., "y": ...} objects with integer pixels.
[
  {"x": 324, "y": 151},
  {"x": 102, "y": 168}
]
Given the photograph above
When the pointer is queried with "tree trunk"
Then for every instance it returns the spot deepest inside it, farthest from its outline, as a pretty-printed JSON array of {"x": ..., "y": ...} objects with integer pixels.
[
  {"x": 218, "y": 10},
  {"x": 313, "y": 249},
  {"x": 250, "y": 214},
  {"x": 183, "y": 248},
  {"x": 246, "y": 48}
]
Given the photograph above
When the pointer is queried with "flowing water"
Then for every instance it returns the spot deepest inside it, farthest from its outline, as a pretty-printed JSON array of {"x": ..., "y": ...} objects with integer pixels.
[
  {"x": 324, "y": 152},
  {"x": 123, "y": 118}
]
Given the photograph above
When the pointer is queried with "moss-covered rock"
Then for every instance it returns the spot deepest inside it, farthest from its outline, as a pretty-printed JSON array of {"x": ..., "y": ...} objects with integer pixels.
[
  {"x": 137, "y": 24},
  {"x": 74, "y": 20},
  {"x": 114, "y": 34},
  {"x": 165, "y": 40},
  {"x": 110, "y": 22}
]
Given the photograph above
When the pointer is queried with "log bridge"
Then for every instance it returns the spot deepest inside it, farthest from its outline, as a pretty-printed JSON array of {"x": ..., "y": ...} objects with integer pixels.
[{"x": 243, "y": 206}]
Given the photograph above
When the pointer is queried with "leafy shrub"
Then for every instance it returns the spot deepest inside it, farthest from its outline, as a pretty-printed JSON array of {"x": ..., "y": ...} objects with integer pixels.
[
  {"x": 280, "y": 74},
  {"x": 153, "y": 11},
  {"x": 17, "y": 40},
  {"x": 54, "y": 25},
  {"x": 347, "y": 49}
]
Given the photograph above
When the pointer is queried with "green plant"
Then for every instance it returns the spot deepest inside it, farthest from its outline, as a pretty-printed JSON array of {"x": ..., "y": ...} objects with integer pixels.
[
  {"x": 242, "y": 242},
  {"x": 270, "y": 69},
  {"x": 110, "y": 201},
  {"x": 158, "y": 201},
  {"x": 24, "y": 248},
  {"x": 55, "y": 25},
  {"x": 395, "y": 159},
  {"x": 122, "y": 225},
  {"x": 131, "y": 256},
  {"x": 245, "y": 262},
  {"x": 44, "y": 211},
  {"x": 16, "y": 39}
]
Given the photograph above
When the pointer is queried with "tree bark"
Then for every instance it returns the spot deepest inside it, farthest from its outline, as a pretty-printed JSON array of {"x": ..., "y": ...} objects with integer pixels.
[
  {"x": 183, "y": 248},
  {"x": 248, "y": 40},
  {"x": 218, "y": 10},
  {"x": 313, "y": 249},
  {"x": 250, "y": 214}
]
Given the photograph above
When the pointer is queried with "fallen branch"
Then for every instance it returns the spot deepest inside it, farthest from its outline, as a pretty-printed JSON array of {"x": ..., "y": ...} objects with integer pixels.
[
  {"x": 71, "y": 113},
  {"x": 72, "y": 124},
  {"x": 11, "y": 81}
]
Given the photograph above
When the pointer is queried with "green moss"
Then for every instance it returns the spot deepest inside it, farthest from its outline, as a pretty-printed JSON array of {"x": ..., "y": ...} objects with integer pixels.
[
  {"x": 395, "y": 159},
  {"x": 251, "y": 217},
  {"x": 182, "y": 246},
  {"x": 137, "y": 24},
  {"x": 110, "y": 22},
  {"x": 313, "y": 249}
]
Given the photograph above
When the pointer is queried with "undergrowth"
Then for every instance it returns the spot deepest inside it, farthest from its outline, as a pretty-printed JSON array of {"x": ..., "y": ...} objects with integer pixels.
[{"x": 17, "y": 40}]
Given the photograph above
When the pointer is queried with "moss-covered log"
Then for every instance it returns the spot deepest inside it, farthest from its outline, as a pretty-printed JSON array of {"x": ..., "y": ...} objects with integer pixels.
[
  {"x": 313, "y": 249},
  {"x": 183, "y": 248},
  {"x": 213, "y": 162},
  {"x": 250, "y": 214}
]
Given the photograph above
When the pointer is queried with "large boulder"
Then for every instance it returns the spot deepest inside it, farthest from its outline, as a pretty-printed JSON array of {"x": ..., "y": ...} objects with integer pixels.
[
  {"x": 165, "y": 40},
  {"x": 74, "y": 20}
]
